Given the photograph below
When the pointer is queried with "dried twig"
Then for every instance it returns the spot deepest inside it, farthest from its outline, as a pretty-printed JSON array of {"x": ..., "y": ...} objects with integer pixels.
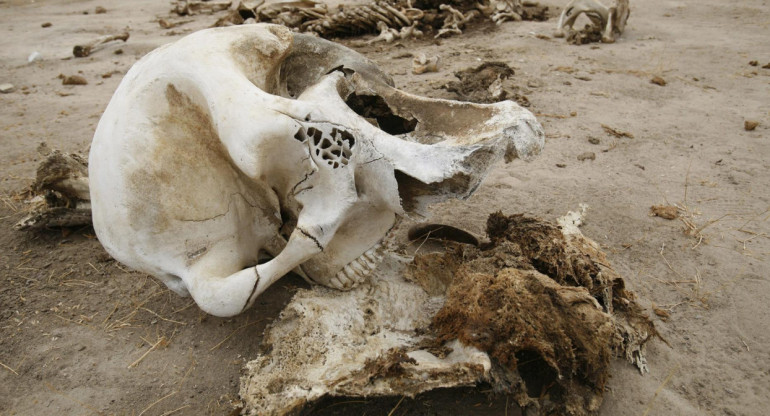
[
  {"x": 233, "y": 333},
  {"x": 9, "y": 368},
  {"x": 161, "y": 340},
  {"x": 157, "y": 401},
  {"x": 660, "y": 388}
]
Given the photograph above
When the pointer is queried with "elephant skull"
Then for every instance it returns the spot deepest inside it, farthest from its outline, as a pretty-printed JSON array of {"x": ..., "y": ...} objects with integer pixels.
[{"x": 239, "y": 144}]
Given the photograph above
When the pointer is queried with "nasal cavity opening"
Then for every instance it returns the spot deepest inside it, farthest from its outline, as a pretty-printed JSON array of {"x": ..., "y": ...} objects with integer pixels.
[{"x": 374, "y": 108}]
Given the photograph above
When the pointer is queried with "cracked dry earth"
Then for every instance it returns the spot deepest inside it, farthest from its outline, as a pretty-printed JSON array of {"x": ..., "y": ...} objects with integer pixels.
[{"x": 80, "y": 334}]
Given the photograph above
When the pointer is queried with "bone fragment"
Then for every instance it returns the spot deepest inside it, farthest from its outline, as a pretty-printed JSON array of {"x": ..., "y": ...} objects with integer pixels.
[
  {"x": 422, "y": 64},
  {"x": 455, "y": 20},
  {"x": 193, "y": 7},
  {"x": 60, "y": 195},
  {"x": 84, "y": 50},
  {"x": 388, "y": 34},
  {"x": 607, "y": 21}
]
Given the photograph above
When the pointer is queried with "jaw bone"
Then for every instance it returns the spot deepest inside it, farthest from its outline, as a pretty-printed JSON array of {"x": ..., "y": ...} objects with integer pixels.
[
  {"x": 235, "y": 144},
  {"x": 544, "y": 334}
]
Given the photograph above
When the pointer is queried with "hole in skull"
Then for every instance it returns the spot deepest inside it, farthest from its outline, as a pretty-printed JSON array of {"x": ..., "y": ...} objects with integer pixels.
[
  {"x": 317, "y": 134},
  {"x": 347, "y": 137},
  {"x": 375, "y": 107},
  {"x": 341, "y": 68},
  {"x": 326, "y": 143},
  {"x": 300, "y": 136},
  {"x": 536, "y": 373}
]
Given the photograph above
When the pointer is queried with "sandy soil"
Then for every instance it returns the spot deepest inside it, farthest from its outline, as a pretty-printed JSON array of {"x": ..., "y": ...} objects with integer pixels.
[{"x": 81, "y": 334}]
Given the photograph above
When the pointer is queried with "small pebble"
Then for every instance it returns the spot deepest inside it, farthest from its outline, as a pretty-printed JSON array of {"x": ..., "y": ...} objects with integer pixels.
[
  {"x": 750, "y": 125},
  {"x": 46, "y": 24},
  {"x": 100, "y": 10},
  {"x": 753, "y": 63},
  {"x": 658, "y": 81},
  {"x": 594, "y": 140},
  {"x": 6, "y": 88},
  {"x": 586, "y": 156}
]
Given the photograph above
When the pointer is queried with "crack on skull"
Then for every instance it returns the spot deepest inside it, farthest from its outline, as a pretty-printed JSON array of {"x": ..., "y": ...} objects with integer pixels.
[
  {"x": 307, "y": 176},
  {"x": 253, "y": 290},
  {"x": 310, "y": 236}
]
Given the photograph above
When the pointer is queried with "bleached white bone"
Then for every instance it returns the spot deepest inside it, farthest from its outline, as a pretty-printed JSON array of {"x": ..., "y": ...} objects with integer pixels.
[
  {"x": 240, "y": 143},
  {"x": 611, "y": 19}
]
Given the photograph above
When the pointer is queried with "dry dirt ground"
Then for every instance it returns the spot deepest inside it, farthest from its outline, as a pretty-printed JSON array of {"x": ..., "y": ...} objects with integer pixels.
[{"x": 81, "y": 334}]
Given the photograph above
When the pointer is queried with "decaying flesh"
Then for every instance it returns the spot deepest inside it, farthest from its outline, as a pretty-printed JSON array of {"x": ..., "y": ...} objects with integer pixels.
[
  {"x": 235, "y": 155},
  {"x": 442, "y": 18},
  {"x": 537, "y": 312},
  {"x": 607, "y": 21}
]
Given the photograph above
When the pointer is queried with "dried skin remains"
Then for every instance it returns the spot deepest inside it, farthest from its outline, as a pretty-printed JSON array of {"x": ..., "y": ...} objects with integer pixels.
[{"x": 546, "y": 309}]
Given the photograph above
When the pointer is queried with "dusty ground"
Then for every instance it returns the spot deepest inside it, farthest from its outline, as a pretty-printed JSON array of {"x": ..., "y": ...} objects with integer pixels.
[{"x": 80, "y": 334}]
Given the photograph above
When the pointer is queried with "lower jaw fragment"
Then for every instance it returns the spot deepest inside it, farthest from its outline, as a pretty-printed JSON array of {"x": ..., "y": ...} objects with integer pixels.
[{"x": 451, "y": 319}]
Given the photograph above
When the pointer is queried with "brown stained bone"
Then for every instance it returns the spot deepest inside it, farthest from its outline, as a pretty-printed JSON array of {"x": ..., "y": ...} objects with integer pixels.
[
  {"x": 60, "y": 195},
  {"x": 81, "y": 51}
]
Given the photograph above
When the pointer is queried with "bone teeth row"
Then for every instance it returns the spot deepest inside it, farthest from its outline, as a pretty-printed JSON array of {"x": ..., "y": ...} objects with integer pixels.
[{"x": 361, "y": 267}]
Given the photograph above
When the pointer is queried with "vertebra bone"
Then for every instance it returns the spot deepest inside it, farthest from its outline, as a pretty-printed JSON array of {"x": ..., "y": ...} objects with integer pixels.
[{"x": 611, "y": 20}]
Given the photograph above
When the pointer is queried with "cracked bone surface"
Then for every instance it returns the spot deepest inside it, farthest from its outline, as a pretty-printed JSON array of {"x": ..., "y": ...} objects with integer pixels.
[
  {"x": 610, "y": 20},
  {"x": 237, "y": 144}
]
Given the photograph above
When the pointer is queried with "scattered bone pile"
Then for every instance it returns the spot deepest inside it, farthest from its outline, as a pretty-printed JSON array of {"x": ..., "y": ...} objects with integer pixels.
[
  {"x": 393, "y": 19},
  {"x": 537, "y": 312}
]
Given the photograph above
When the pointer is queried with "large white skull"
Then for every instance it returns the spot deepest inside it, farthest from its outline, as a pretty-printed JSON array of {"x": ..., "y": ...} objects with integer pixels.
[{"x": 241, "y": 143}]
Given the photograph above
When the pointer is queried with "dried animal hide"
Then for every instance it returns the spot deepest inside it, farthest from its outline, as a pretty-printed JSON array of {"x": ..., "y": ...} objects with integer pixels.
[{"x": 537, "y": 312}]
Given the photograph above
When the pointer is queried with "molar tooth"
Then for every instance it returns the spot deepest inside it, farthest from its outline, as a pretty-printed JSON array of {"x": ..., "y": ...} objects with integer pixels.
[
  {"x": 370, "y": 263},
  {"x": 335, "y": 281},
  {"x": 369, "y": 255},
  {"x": 349, "y": 272},
  {"x": 358, "y": 267}
]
